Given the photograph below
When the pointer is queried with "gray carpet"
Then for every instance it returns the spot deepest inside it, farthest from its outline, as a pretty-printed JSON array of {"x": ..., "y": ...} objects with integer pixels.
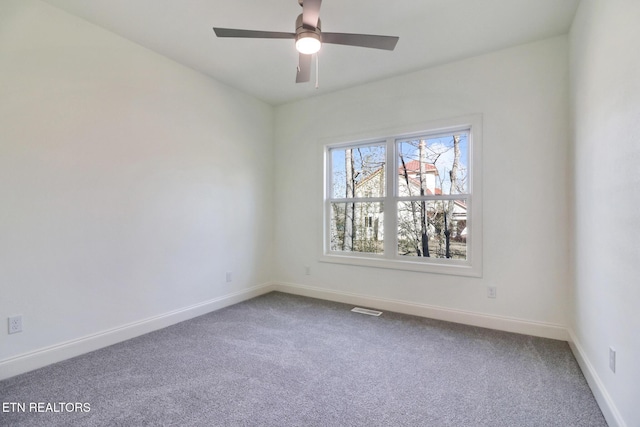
[{"x": 284, "y": 360}]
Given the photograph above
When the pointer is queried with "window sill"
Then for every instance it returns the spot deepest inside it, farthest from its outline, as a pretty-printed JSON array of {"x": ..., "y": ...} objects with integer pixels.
[{"x": 458, "y": 269}]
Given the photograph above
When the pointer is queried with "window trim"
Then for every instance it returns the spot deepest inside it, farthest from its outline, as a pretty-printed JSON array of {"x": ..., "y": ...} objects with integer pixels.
[{"x": 472, "y": 266}]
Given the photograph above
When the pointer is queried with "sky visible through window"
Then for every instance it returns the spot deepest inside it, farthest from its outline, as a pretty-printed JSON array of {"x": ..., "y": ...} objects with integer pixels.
[
  {"x": 440, "y": 153},
  {"x": 367, "y": 160},
  {"x": 371, "y": 158}
]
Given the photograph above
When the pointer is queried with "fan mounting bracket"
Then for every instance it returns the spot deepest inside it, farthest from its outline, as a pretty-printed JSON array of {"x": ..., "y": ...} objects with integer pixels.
[{"x": 302, "y": 28}]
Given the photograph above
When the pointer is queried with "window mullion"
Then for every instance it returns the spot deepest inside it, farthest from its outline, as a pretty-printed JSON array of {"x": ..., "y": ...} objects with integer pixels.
[
  {"x": 390, "y": 205},
  {"x": 436, "y": 198},
  {"x": 328, "y": 183},
  {"x": 357, "y": 200},
  {"x": 389, "y": 208}
]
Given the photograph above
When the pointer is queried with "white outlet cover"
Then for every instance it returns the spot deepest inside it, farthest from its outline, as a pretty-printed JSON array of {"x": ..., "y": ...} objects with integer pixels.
[
  {"x": 492, "y": 292},
  {"x": 15, "y": 324}
]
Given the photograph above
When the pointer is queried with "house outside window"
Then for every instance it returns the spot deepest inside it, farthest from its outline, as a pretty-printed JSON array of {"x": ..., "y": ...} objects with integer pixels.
[{"x": 406, "y": 201}]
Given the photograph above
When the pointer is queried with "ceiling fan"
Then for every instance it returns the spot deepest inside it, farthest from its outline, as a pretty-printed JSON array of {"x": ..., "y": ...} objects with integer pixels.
[{"x": 309, "y": 37}]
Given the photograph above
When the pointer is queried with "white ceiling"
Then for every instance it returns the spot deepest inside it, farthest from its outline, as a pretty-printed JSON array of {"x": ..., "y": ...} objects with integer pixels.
[{"x": 431, "y": 32}]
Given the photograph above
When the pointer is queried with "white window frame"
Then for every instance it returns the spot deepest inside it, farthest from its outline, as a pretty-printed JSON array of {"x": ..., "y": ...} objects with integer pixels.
[{"x": 390, "y": 259}]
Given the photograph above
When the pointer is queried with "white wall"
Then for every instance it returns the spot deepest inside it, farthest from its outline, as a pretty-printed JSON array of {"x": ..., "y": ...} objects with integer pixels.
[
  {"x": 129, "y": 184},
  {"x": 605, "y": 98},
  {"x": 522, "y": 94}
]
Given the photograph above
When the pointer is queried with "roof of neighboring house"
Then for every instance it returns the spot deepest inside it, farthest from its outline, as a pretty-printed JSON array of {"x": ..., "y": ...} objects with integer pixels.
[
  {"x": 369, "y": 177},
  {"x": 414, "y": 166},
  {"x": 416, "y": 183}
]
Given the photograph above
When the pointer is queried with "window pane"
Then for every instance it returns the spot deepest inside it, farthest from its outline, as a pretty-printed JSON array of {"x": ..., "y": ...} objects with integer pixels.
[
  {"x": 358, "y": 171},
  {"x": 432, "y": 166},
  {"x": 436, "y": 229},
  {"x": 357, "y": 227}
]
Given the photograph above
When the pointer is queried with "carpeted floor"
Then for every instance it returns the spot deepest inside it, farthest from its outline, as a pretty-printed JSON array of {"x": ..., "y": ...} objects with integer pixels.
[{"x": 284, "y": 360}]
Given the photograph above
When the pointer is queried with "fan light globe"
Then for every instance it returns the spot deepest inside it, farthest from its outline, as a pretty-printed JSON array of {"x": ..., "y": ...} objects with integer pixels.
[{"x": 308, "y": 45}]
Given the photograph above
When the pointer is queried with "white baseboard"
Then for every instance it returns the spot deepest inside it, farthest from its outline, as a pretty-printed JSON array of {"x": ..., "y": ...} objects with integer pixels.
[
  {"x": 608, "y": 408},
  {"x": 508, "y": 324},
  {"x": 62, "y": 351},
  {"x": 56, "y": 353}
]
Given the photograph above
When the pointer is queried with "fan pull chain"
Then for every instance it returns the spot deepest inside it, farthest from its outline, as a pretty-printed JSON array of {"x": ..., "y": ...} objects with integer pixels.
[{"x": 316, "y": 55}]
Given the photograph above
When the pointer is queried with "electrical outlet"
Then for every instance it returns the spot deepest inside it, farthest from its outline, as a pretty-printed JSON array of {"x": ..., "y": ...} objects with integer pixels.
[
  {"x": 229, "y": 276},
  {"x": 307, "y": 270},
  {"x": 612, "y": 359},
  {"x": 492, "y": 292},
  {"x": 15, "y": 324}
]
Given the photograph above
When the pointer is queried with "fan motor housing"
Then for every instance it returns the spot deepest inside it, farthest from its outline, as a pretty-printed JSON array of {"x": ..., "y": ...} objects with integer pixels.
[{"x": 302, "y": 29}]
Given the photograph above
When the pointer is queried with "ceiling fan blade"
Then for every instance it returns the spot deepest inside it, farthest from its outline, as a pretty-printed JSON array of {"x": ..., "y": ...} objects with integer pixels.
[
  {"x": 311, "y": 12},
  {"x": 304, "y": 68},
  {"x": 361, "y": 40},
  {"x": 250, "y": 34}
]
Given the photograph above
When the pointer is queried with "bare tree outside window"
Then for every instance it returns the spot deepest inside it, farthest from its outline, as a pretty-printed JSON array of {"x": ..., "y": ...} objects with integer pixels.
[
  {"x": 432, "y": 223},
  {"x": 407, "y": 201},
  {"x": 357, "y": 188}
]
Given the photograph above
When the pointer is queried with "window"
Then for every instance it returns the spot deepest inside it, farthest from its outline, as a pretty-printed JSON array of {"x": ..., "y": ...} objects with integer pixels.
[{"x": 407, "y": 201}]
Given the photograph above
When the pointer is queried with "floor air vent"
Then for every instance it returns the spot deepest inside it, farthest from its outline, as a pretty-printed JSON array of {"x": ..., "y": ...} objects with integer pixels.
[{"x": 366, "y": 311}]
